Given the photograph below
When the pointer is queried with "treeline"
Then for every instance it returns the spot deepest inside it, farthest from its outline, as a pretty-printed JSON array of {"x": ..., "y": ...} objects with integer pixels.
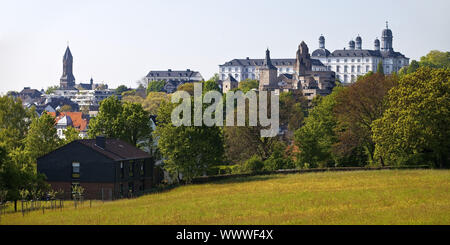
[
  {"x": 24, "y": 136},
  {"x": 381, "y": 120}
]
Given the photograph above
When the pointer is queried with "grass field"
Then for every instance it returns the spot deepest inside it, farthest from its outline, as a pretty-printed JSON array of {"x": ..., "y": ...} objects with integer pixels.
[{"x": 362, "y": 197}]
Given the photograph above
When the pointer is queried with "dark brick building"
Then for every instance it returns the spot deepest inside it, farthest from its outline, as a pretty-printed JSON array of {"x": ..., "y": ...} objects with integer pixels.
[{"x": 105, "y": 168}]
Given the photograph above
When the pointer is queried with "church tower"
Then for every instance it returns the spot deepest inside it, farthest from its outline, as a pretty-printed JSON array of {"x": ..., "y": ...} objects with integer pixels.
[
  {"x": 268, "y": 74},
  {"x": 303, "y": 60},
  {"x": 67, "y": 79}
]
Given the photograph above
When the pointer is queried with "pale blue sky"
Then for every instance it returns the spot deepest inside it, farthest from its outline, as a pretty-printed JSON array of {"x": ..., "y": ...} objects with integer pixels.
[{"x": 118, "y": 42}]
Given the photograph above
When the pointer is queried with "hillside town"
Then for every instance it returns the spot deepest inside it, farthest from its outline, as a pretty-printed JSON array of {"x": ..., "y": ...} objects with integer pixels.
[{"x": 225, "y": 120}]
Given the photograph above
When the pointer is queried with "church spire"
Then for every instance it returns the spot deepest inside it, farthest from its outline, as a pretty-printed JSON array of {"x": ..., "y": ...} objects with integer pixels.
[
  {"x": 267, "y": 61},
  {"x": 67, "y": 79}
]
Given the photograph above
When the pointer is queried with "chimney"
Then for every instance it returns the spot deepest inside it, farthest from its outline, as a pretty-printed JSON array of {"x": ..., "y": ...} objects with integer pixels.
[{"x": 100, "y": 141}]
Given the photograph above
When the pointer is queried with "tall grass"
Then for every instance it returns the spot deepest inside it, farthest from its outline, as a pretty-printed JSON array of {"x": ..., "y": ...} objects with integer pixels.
[{"x": 363, "y": 197}]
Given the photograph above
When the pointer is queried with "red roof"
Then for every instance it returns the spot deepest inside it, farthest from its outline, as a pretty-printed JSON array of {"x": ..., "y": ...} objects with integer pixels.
[{"x": 77, "y": 119}]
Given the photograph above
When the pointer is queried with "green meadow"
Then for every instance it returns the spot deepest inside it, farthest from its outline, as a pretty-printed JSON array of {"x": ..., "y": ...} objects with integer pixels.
[{"x": 410, "y": 197}]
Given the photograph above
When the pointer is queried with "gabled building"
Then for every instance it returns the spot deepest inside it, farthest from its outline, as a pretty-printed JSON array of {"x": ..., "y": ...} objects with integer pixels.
[
  {"x": 173, "y": 78},
  {"x": 107, "y": 169},
  {"x": 76, "y": 120}
]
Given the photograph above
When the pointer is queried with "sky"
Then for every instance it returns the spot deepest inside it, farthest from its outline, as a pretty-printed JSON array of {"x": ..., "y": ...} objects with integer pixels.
[{"x": 119, "y": 42}]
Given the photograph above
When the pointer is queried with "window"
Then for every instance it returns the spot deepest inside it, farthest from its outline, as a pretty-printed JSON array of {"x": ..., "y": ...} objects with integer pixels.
[
  {"x": 131, "y": 169},
  {"x": 359, "y": 60},
  {"x": 353, "y": 68},
  {"x": 75, "y": 170},
  {"x": 141, "y": 170},
  {"x": 345, "y": 69},
  {"x": 337, "y": 60},
  {"x": 121, "y": 170},
  {"x": 338, "y": 69},
  {"x": 353, "y": 60},
  {"x": 367, "y": 68},
  {"x": 359, "y": 69}
]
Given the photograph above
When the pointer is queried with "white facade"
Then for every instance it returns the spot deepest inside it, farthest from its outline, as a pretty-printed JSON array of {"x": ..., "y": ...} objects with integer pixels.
[
  {"x": 351, "y": 62},
  {"x": 85, "y": 97},
  {"x": 242, "y": 69}
]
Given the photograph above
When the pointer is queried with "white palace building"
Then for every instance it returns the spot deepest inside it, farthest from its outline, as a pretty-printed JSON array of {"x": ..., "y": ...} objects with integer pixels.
[
  {"x": 348, "y": 63},
  {"x": 355, "y": 61}
]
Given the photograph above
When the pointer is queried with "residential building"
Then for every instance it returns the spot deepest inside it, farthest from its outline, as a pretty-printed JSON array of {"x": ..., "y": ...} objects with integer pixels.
[
  {"x": 174, "y": 78},
  {"x": 70, "y": 119},
  {"x": 107, "y": 169}
]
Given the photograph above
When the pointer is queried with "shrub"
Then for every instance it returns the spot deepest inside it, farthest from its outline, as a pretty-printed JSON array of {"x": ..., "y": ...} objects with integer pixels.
[{"x": 253, "y": 165}]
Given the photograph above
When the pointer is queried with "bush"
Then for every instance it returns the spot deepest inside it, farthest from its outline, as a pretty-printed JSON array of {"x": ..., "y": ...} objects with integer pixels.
[{"x": 253, "y": 165}]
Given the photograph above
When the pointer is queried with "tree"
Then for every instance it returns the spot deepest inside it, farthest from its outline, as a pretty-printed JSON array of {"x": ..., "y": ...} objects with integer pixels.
[
  {"x": 380, "y": 69},
  {"x": 153, "y": 101},
  {"x": 316, "y": 137},
  {"x": 413, "y": 67},
  {"x": 17, "y": 168},
  {"x": 133, "y": 99},
  {"x": 156, "y": 86},
  {"x": 415, "y": 128},
  {"x": 188, "y": 150},
  {"x": 120, "y": 89},
  {"x": 65, "y": 108},
  {"x": 71, "y": 134},
  {"x": 292, "y": 107},
  {"x": 248, "y": 84},
  {"x": 210, "y": 85},
  {"x": 14, "y": 122},
  {"x": 188, "y": 87},
  {"x": 51, "y": 89},
  {"x": 41, "y": 137},
  {"x": 356, "y": 108},
  {"x": 436, "y": 59},
  {"x": 127, "y": 121}
]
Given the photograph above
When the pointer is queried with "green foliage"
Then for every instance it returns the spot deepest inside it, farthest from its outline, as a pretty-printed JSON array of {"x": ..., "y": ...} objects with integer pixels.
[
  {"x": 436, "y": 59},
  {"x": 413, "y": 66},
  {"x": 188, "y": 87},
  {"x": 357, "y": 107},
  {"x": 416, "y": 126},
  {"x": 41, "y": 138},
  {"x": 51, "y": 89},
  {"x": 278, "y": 159},
  {"x": 71, "y": 134},
  {"x": 14, "y": 122},
  {"x": 156, "y": 86},
  {"x": 127, "y": 121},
  {"x": 248, "y": 84},
  {"x": 210, "y": 85},
  {"x": 380, "y": 69},
  {"x": 253, "y": 165},
  {"x": 153, "y": 101},
  {"x": 120, "y": 89},
  {"x": 189, "y": 150},
  {"x": 23, "y": 137},
  {"x": 292, "y": 109},
  {"x": 317, "y": 136},
  {"x": 66, "y": 108}
]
